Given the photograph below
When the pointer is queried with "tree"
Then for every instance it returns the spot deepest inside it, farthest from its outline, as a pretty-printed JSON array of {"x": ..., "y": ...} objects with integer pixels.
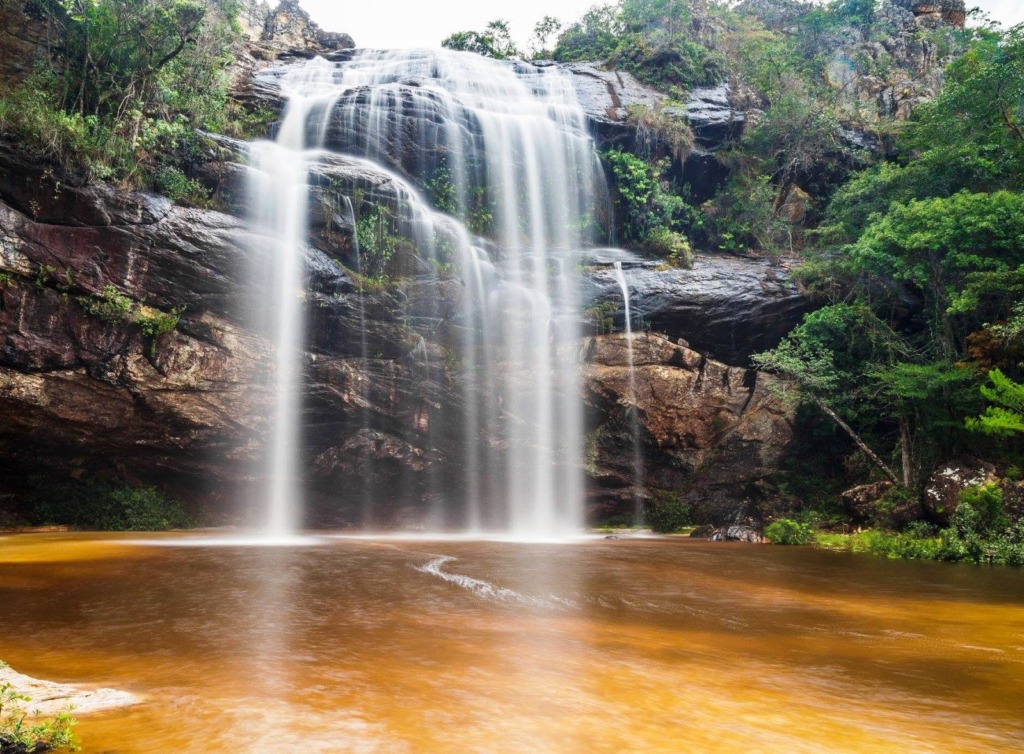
[
  {"x": 545, "y": 30},
  {"x": 1006, "y": 418},
  {"x": 114, "y": 52},
  {"x": 494, "y": 42},
  {"x": 935, "y": 244},
  {"x": 593, "y": 37},
  {"x": 829, "y": 356},
  {"x": 872, "y": 383}
]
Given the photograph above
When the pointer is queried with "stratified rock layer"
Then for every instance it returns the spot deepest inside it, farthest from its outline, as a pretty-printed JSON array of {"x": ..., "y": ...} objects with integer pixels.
[
  {"x": 726, "y": 306},
  {"x": 709, "y": 433}
]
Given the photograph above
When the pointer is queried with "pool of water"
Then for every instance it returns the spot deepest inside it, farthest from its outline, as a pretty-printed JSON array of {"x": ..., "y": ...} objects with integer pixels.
[{"x": 377, "y": 645}]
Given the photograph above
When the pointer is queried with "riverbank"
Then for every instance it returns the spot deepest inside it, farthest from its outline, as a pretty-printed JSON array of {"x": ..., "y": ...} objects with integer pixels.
[{"x": 36, "y": 715}]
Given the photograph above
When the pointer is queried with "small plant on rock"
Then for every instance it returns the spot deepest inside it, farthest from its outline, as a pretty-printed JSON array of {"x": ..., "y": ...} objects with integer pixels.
[{"x": 20, "y": 737}]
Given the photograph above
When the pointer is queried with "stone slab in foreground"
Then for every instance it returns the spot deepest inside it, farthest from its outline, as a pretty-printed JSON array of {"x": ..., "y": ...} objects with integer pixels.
[{"x": 48, "y": 698}]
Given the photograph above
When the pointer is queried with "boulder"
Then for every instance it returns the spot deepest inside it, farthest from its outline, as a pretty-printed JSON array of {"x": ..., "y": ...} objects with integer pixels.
[
  {"x": 737, "y": 533},
  {"x": 942, "y": 492},
  {"x": 860, "y": 501}
]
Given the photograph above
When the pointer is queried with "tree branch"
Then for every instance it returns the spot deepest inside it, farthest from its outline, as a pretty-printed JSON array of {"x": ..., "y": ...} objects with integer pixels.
[{"x": 856, "y": 438}]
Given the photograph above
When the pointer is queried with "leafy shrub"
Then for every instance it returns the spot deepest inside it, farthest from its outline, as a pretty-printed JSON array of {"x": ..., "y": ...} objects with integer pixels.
[
  {"x": 667, "y": 514},
  {"x": 671, "y": 246},
  {"x": 126, "y": 90},
  {"x": 178, "y": 187},
  {"x": 113, "y": 306},
  {"x": 112, "y": 508},
  {"x": 652, "y": 217},
  {"x": 786, "y": 531},
  {"x": 618, "y": 521},
  {"x": 650, "y": 42},
  {"x": 981, "y": 531},
  {"x": 908, "y": 546}
]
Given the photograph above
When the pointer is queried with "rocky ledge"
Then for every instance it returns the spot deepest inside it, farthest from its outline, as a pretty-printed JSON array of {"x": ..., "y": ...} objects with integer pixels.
[
  {"x": 86, "y": 389},
  {"x": 727, "y": 306}
]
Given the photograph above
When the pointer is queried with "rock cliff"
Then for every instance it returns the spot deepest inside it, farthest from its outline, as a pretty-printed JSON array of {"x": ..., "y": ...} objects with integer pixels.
[
  {"x": 709, "y": 433},
  {"x": 125, "y": 352}
]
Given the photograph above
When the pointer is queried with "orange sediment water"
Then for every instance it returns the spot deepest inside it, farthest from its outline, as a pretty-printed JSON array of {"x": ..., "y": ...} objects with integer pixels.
[{"x": 418, "y": 646}]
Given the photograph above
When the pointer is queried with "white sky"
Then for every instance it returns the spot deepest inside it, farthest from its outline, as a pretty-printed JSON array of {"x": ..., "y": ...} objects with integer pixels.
[{"x": 416, "y": 23}]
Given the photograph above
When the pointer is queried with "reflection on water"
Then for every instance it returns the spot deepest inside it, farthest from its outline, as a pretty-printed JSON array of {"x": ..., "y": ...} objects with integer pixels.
[{"x": 453, "y": 646}]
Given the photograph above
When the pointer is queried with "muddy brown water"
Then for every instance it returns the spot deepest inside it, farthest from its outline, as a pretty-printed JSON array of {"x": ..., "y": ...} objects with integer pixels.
[{"x": 456, "y": 646}]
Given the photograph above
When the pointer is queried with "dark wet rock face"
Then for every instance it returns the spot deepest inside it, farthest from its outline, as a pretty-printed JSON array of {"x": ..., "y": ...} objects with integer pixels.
[
  {"x": 726, "y": 306},
  {"x": 85, "y": 393}
]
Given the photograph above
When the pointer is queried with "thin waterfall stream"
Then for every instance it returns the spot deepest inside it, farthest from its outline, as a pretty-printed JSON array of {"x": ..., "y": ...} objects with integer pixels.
[{"x": 632, "y": 408}]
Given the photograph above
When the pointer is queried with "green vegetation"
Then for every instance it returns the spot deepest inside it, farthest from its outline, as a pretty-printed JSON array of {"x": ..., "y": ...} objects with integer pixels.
[
  {"x": 884, "y": 544},
  {"x": 654, "y": 39},
  {"x": 20, "y": 737},
  {"x": 114, "y": 306},
  {"x": 476, "y": 210},
  {"x": 1007, "y": 416},
  {"x": 494, "y": 42},
  {"x": 380, "y": 242},
  {"x": 126, "y": 90},
  {"x": 108, "y": 507},
  {"x": 654, "y": 217},
  {"x": 667, "y": 515},
  {"x": 981, "y": 530},
  {"x": 786, "y": 531},
  {"x": 921, "y": 273}
]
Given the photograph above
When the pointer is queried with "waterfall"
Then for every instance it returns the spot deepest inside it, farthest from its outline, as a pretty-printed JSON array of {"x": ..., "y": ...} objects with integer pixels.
[
  {"x": 501, "y": 152},
  {"x": 633, "y": 409}
]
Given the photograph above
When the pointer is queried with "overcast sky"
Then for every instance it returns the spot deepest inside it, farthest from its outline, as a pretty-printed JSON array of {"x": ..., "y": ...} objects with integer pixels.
[{"x": 415, "y": 23}]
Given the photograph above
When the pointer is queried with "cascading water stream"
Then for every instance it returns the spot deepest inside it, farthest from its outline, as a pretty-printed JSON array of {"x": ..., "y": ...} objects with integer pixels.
[
  {"x": 634, "y": 419},
  {"x": 504, "y": 147}
]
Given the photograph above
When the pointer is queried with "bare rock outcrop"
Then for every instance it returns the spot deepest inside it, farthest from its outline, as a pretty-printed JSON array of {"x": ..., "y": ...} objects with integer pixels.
[
  {"x": 709, "y": 432},
  {"x": 728, "y": 307}
]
